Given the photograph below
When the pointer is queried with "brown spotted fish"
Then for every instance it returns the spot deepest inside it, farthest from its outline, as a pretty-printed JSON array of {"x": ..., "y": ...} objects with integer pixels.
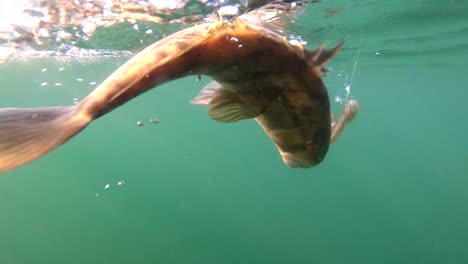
[{"x": 257, "y": 74}]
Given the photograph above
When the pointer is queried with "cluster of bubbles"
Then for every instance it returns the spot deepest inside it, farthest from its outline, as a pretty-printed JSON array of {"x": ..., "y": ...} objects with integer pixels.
[
  {"x": 43, "y": 21},
  {"x": 67, "y": 28}
]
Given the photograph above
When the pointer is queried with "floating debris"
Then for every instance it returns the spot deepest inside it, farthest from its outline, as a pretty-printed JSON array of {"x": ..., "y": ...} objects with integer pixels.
[
  {"x": 75, "y": 100},
  {"x": 120, "y": 183},
  {"x": 140, "y": 123},
  {"x": 234, "y": 40},
  {"x": 92, "y": 83},
  {"x": 57, "y": 84},
  {"x": 61, "y": 69},
  {"x": 44, "y": 84},
  {"x": 79, "y": 79},
  {"x": 154, "y": 120},
  {"x": 44, "y": 70},
  {"x": 149, "y": 31},
  {"x": 107, "y": 187}
]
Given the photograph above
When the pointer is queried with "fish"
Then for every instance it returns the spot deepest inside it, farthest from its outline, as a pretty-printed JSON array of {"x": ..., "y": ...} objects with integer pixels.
[{"x": 257, "y": 74}]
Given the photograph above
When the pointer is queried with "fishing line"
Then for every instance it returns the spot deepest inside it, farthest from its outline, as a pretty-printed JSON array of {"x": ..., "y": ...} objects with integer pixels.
[{"x": 356, "y": 59}]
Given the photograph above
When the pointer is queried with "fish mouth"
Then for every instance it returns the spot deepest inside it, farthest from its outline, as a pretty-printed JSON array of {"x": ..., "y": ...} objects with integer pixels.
[{"x": 299, "y": 160}]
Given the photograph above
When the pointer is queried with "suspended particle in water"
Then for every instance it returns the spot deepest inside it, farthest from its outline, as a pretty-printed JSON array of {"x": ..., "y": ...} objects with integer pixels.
[
  {"x": 149, "y": 31},
  {"x": 61, "y": 69},
  {"x": 92, "y": 83},
  {"x": 79, "y": 79},
  {"x": 107, "y": 186},
  {"x": 140, "y": 123},
  {"x": 198, "y": 78},
  {"x": 135, "y": 27},
  {"x": 120, "y": 183},
  {"x": 154, "y": 120},
  {"x": 44, "y": 70},
  {"x": 240, "y": 46},
  {"x": 234, "y": 40},
  {"x": 44, "y": 84},
  {"x": 57, "y": 84},
  {"x": 75, "y": 100}
]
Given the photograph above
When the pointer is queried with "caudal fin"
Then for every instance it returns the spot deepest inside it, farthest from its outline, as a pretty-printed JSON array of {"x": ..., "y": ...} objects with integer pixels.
[{"x": 29, "y": 133}]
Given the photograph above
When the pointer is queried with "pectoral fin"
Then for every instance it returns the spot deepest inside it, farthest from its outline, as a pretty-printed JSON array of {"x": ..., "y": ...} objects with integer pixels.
[
  {"x": 224, "y": 105},
  {"x": 205, "y": 95}
]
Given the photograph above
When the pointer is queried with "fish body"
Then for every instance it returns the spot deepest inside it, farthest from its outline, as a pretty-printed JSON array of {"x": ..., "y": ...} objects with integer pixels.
[{"x": 257, "y": 74}]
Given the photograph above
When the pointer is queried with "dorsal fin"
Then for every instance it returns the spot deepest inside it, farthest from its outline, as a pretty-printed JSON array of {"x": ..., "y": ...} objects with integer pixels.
[
  {"x": 320, "y": 57},
  {"x": 276, "y": 15}
]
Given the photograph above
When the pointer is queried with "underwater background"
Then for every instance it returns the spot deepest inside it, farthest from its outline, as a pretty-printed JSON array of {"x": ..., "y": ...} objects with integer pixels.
[{"x": 392, "y": 189}]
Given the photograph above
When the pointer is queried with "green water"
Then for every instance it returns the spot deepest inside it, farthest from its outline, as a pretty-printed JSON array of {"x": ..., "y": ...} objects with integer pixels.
[{"x": 393, "y": 189}]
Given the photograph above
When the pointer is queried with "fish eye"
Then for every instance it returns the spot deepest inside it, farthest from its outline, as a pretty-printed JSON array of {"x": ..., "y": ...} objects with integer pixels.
[{"x": 310, "y": 145}]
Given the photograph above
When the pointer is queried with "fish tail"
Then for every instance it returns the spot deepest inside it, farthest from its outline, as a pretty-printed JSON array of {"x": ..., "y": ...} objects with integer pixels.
[{"x": 29, "y": 133}]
